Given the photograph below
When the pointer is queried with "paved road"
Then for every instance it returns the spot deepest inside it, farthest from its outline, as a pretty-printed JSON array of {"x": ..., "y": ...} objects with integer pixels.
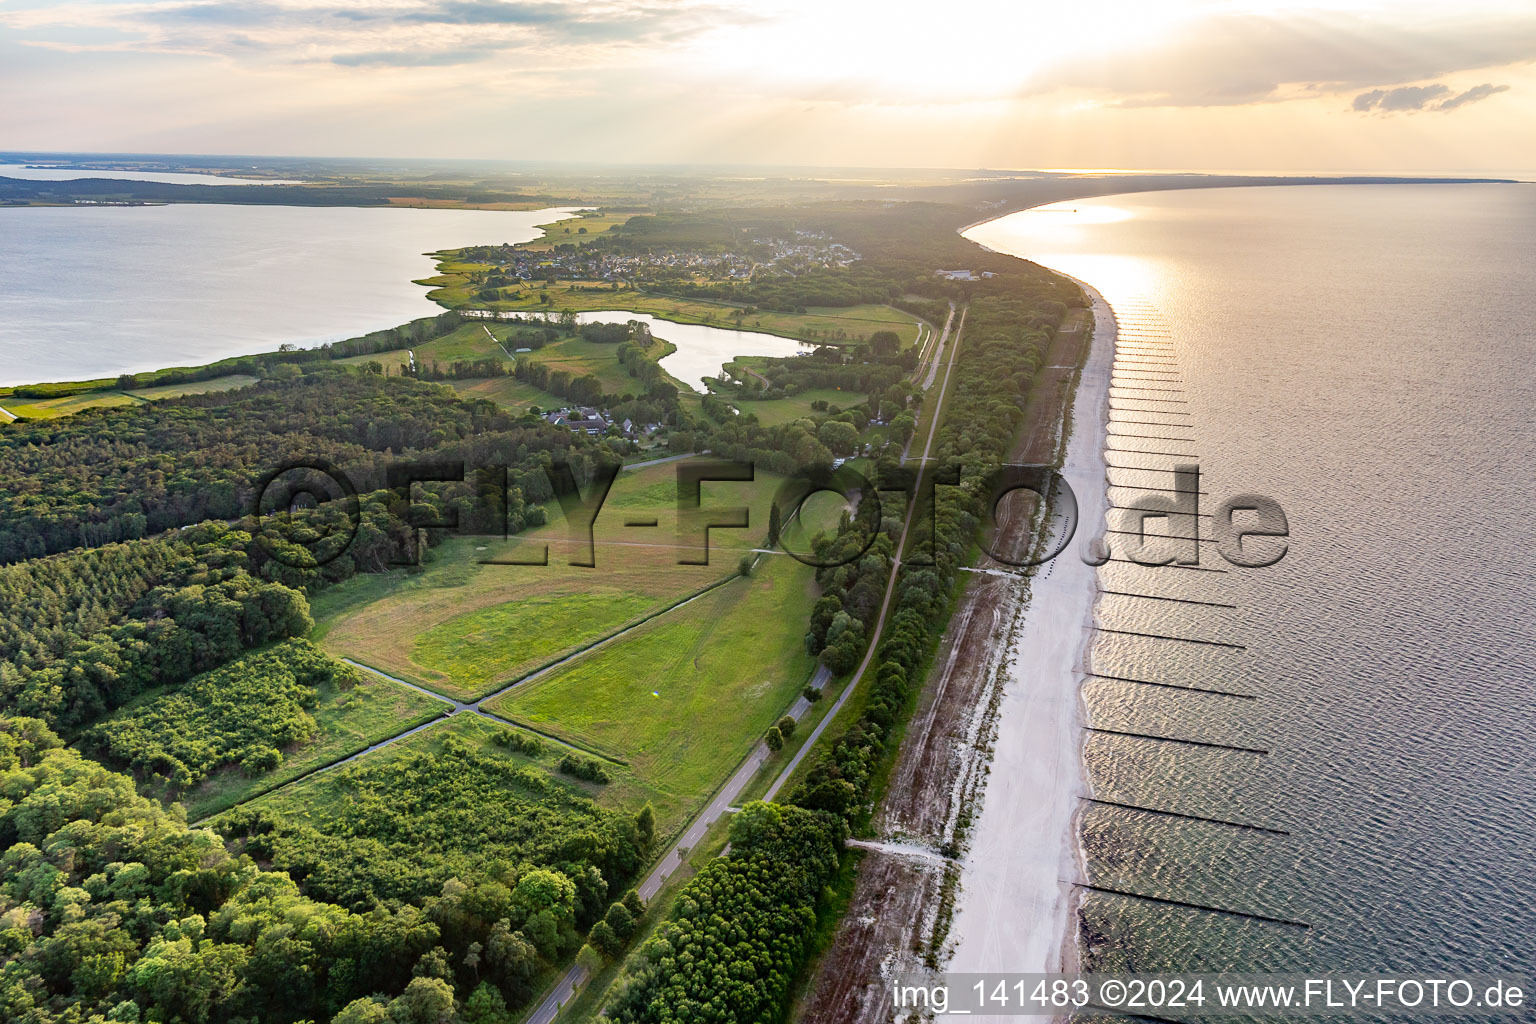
[
  {"x": 890, "y": 588},
  {"x": 723, "y": 802}
]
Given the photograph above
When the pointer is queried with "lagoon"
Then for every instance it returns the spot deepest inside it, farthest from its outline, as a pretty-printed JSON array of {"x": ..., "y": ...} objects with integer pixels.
[
  {"x": 97, "y": 291},
  {"x": 165, "y": 177},
  {"x": 701, "y": 351}
]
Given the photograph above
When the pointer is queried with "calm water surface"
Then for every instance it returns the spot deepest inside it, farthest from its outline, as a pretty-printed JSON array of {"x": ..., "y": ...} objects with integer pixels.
[
  {"x": 1365, "y": 356},
  {"x": 168, "y": 177},
  {"x": 89, "y": 292},
  {"x": 701, "y": 350}
]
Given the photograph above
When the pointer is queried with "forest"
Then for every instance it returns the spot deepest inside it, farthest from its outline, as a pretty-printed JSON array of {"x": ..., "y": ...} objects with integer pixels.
[{"x": 113, "y": 474}]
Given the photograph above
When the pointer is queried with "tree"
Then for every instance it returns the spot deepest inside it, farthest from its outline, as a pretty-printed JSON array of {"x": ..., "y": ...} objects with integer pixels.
[
  {"x": 774, "y": 524},
  {"x": 485, "y": 1006},
  {"x": 744, "y": 567},
  {"x": 603, "y": 939},
  {"x": 884, "y": 343},
  {"x": 838, "y": 436},
  {"x": 620, "y": 920},
  {"x": 774, "y": 739},
  {"x": 787, "y": 726},
  {"x": 424, "y": 1001},
  {"x": 367, "y": 1010},
  {"x": 645, "y": 825}
]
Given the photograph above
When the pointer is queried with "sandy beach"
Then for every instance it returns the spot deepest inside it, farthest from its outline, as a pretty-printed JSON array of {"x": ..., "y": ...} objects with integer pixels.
[{"x": 1014, "y": 912}]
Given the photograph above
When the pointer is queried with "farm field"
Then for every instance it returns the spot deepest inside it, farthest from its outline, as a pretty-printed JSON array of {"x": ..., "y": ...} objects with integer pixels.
[
  {"x": 570, "y": 230},
  {"x": 573, "y": 354},
  {"x": 65, "y": 405},
  {"x": 509, "y": 393},
  {"x": 464, "y": 628},
  {"x": 685, "y": 696}
]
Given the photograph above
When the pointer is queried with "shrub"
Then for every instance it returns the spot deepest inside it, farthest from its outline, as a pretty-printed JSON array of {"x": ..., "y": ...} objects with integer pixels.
[{"x": 586, "y": 768}]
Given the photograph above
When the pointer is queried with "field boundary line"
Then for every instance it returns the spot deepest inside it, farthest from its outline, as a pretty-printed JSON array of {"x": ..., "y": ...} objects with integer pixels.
[{"x": 416, "y": 725}]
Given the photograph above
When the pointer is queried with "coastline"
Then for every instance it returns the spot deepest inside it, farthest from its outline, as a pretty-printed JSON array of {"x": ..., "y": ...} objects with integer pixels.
[{"x": 1015, "y": 910}]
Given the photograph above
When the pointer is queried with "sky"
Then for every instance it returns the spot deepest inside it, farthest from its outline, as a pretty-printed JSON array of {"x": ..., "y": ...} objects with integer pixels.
[{"x": 1368, "y": 86}]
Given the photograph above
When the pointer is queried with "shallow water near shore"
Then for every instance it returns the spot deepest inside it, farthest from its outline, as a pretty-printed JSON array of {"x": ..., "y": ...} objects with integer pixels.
[{"x": 1364, "y": 707}]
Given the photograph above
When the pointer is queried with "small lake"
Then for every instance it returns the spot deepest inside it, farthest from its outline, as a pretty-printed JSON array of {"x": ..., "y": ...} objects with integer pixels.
[
  {"x": 165, "y": 177},
  {"x": 97, "y": 291},
  {"x": 701, "y": 351}
]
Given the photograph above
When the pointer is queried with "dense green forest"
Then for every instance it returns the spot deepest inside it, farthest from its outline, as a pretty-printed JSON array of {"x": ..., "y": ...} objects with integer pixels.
[
  {"x": 112, "y": 909},
  {"x": 114, "y": 474},
  {"x": 740, "y": 929}
]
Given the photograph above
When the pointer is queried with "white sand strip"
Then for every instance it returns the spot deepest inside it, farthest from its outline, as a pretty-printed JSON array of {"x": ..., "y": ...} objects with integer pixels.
[{"x": 1014, "y": 912}]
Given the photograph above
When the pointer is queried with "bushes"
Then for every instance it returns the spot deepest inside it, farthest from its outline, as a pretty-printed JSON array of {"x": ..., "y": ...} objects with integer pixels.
[
  {"x": 522, "y": 742},
  {"x": 587, "y": 768},
  {"x": 413, "y": 822},
  {"x": 242, "y": 713}
]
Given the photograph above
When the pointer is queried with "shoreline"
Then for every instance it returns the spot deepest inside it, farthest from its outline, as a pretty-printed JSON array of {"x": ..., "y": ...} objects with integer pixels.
[{"x": 1015, "y": 912}]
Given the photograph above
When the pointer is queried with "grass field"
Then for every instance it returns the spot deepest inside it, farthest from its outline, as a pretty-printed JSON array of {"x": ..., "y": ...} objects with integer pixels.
[
  {"x": 65, "y": 405},
  {"x": 349, "y": 720},
  {"x": 470, "y": 342},
  {"x": 684, "y": 698},
  {"x": 464, "y": 628},
  {"x": 569, "y": 231},
  {"x": 580, "y": 356},
  {"x": 775, "y": 411},
  {"x": 509, "y": 392}
]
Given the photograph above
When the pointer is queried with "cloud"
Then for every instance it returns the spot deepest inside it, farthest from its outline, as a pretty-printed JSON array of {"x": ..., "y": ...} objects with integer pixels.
[
  {"x": 391, "y": 33},
  {"x": 492, "y": 12},
  {"x": 1422, "y": 97},
  {"x": 410, "y": 59},
  {"x": 1231, "y": 59},
  {"x": 1407, "y": 97},
  {"x": 1472, "y": 95}
]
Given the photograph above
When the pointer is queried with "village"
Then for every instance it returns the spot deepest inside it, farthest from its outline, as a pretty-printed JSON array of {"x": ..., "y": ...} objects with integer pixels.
[{"x": 805, "y": 251}]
